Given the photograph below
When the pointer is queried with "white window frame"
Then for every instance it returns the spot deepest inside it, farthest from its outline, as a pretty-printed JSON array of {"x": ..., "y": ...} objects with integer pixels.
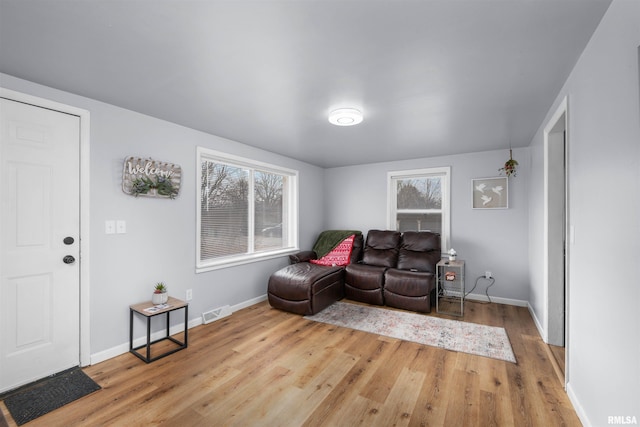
[
  {"x": 291, "y": 206},
  {"x": 392, "y": 193}
]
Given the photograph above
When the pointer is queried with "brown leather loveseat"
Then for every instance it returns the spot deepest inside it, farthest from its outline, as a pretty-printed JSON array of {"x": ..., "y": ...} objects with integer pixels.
[{"x": 397, "y": 269}]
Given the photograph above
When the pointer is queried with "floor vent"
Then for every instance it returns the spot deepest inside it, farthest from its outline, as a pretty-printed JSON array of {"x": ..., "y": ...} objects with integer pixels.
[{"x": 218, "y": 313}]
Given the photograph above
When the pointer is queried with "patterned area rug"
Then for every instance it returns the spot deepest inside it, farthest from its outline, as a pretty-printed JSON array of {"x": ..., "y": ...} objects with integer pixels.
[{"x": 481, "y": 340}]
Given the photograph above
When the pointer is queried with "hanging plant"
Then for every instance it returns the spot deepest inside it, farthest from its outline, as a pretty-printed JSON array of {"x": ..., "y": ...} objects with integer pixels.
[{"x": 510, "y": 165}]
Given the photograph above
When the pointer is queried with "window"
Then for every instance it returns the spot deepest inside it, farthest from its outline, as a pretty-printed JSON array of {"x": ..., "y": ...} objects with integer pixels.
[
  {"x": 247, "y": 210},
  {"x": 419, "y": 201}
]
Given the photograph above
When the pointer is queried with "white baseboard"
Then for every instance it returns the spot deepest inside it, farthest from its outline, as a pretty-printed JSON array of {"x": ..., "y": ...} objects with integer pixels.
[
  {"x": 507, "y": 301},
  {"x": 536, "y": 321},
  {"x": 109, "y": 353},
  {"x": 248, "y": 303},
  {"x": 578, "y": 407}
]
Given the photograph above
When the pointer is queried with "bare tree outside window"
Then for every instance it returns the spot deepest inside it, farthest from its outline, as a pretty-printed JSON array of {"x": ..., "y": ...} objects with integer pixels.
[
  {"x": 268, "y": 210},
  {"x": 246, "y": 209},
  {"x": 419, "y": 193},
  {"x": 224, "y": 210},
  {"x": 419, "y": 202}
]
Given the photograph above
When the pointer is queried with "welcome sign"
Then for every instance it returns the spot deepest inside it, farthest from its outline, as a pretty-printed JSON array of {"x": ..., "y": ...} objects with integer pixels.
[{"x": 150, "y": 178}]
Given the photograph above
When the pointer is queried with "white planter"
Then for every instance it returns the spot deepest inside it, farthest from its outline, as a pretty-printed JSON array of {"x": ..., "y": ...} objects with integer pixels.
[{"x": 158, "y": 299}]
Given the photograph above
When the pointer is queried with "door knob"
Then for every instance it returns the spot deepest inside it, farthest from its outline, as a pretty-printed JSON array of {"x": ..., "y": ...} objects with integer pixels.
[
  {"x": 68, "y": 259},
  {"x": 68, "y": 240}
]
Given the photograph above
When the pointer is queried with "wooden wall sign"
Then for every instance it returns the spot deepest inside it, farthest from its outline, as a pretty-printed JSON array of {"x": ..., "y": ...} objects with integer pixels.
[{"x": 151, "y": 178}]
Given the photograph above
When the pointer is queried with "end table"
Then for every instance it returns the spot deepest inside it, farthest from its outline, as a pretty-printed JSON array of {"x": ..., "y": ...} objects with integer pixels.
[
  {"x": 450, "y": 287},
  {"x": 148, "y": 310}
]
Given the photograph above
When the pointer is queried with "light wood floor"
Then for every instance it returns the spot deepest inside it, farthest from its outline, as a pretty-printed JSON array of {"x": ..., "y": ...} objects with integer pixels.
[
  {"x": 558, "y": 355},
  {"x": 265, "y": 367}
]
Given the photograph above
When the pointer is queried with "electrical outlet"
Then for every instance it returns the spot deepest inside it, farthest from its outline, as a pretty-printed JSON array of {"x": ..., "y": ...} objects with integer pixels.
[
  {"x": 189, "y": 294},
  {"x": 487, "y": 274}
]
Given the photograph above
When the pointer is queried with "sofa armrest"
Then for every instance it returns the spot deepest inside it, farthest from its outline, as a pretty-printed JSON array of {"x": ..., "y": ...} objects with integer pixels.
[{"x": 302, "y": 256}]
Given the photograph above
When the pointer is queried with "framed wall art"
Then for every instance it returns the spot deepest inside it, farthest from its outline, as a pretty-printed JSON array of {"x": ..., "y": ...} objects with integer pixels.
[
  {"x": 151, "y": 178},
  {"x": 490, "y": 193}
]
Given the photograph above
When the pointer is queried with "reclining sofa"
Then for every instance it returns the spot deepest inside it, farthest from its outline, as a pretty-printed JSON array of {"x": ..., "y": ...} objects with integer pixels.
[
  {"x": 394, "y": 269},
  {"x": 397, "y": 270}
]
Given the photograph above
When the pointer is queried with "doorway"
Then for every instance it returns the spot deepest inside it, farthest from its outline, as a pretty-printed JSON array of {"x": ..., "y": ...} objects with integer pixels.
[
  {"x": 43, "y": 283},
  {"x": 556, "y": 236}
]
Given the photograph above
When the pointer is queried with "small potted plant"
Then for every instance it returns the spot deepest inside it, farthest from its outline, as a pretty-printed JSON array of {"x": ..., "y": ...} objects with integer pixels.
[{"x": 160, "y": 295}]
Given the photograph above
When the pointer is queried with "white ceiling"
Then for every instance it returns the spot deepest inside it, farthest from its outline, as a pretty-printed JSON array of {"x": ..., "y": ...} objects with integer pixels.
[{"x": 433, "y": 77}]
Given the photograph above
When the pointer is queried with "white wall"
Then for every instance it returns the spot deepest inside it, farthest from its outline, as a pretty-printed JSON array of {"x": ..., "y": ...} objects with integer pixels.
[
  {"x": 604, "y": 163},
  {"x": 160, "y": 241},
  {"x": 495, "y": 240}
]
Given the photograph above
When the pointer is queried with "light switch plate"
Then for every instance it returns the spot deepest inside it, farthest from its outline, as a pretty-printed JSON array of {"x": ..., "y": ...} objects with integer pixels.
[
  {"x": 109, "y": 227},
  {"x": 121, "y": 227}
]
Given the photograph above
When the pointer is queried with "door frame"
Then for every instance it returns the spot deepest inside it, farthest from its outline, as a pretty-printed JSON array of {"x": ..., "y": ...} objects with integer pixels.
[
  {"x": 561, "y": 116},
  {"x": 84, "y": 116}
]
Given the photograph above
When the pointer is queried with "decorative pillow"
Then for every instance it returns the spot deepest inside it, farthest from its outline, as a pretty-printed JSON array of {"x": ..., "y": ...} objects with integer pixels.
[{"x": 340, "y": 255}]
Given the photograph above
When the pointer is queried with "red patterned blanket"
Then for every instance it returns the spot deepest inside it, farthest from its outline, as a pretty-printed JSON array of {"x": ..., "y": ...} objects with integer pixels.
[{"x": 340, "y": 255}]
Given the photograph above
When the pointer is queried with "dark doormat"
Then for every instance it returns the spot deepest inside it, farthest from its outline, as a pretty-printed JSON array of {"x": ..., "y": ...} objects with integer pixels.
[{"x": 36, "y": 399}]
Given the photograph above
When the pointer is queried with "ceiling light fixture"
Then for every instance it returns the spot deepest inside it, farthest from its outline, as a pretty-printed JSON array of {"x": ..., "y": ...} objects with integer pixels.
[{"x": 345, "y": 117}]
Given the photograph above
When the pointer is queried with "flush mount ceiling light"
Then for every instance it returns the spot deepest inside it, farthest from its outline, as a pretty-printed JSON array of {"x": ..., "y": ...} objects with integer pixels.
[{"x": 345, "y": 117}]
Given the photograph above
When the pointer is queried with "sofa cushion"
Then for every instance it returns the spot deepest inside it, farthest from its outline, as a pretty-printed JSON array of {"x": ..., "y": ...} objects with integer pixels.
[
  {"x": 381, "y": 248},
  {"x": 419, "y": 251},
  {"x": 409, "y": 290},
  {"x": 365, "y": 276},
  {"x": 408, "y": 283},
  {"x": 364, "y": 283}
]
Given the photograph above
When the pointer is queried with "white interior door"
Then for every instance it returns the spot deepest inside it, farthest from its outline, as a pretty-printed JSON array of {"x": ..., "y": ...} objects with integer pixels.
[{"x": 39, "y": 238}]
